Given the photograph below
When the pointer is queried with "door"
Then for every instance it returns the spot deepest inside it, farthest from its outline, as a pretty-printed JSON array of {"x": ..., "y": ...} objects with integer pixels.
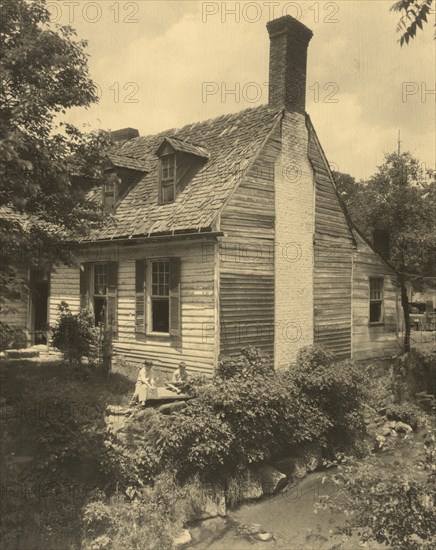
[{"x": 39, "y": 307}]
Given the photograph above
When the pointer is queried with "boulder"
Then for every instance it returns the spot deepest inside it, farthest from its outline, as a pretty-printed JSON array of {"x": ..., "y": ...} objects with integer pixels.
[
  {"x": 213, "y": 503},
  {"x": 182, "y": 539},
  {"x": 271, "y": 479},
  {"x": 293, "y": 467},
  {"x": 171, "y": 408},
  {"x": 385, "y": 430},
  {"x": 403, "y": 427},
  {"x": 265, "y": 537}
]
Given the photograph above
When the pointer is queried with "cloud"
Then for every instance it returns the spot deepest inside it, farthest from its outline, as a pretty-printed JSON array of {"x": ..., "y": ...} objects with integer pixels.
[{"x": 171, "y": 53}]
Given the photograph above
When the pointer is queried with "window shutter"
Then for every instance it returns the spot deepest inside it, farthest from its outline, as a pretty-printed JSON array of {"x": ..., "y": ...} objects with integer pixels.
[
  {"x": 112, "y": 288},
  {"x": 175, "y": 309},
  {"x": 84, "y": 285},
  {"x": 140, "y": 310}
]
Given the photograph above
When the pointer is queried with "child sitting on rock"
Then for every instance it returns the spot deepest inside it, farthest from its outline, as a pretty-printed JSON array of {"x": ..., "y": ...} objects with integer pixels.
[{"x": 144, "y": 381}]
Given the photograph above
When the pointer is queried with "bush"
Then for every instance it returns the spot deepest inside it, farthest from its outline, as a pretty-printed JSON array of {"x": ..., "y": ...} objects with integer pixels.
[
  {"x": 390, "y": 503},
  {"x": 151, "y": 519},
  {"x": 246, "y": 415},
  {"x": 74, "y": 335},
  {"x": 338, "y": 389},
  {"x": 250, "y": 362},
  {"x": 415, "y": 373}
]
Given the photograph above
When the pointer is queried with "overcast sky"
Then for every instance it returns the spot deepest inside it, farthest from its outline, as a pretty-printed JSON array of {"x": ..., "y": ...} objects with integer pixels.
[{"x": 152, "y": 61}]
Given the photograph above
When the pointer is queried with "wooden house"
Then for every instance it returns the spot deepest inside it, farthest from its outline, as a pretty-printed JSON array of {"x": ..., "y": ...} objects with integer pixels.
[{"x": 230, "y": 232}]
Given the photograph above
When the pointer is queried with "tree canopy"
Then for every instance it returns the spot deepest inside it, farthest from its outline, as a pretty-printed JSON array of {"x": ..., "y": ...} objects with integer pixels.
[
  {"x": 414, "y": 15},
  {"x": 400, "y": 199},
  {"x": 46, "y": 168}
]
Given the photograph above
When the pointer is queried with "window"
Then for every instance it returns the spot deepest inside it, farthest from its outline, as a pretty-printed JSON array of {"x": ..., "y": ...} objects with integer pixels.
[
  {"x": 168, "y": 166},
  {"x": 375, "y": 300},
  {"x": 98, "y": 291},
  {"x": 157, "y": 297},
  {"x": 160, "y": 296},
  {"x": 109, "y": 194}
]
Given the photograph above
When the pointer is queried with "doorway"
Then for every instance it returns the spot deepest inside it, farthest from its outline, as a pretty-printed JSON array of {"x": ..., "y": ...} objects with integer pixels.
[{"x": 39, "y": 306}]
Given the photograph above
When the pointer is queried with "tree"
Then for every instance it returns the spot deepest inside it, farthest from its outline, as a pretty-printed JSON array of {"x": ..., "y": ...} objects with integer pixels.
[
  {"x": 47, "y": 169},
  {"x": 414, "y": 15},
  {"x": 346, "y": 186},
  {"x": 400, "y": 198}
]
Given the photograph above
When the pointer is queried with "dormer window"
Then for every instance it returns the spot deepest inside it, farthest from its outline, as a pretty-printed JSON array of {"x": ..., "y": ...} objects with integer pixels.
[
  {"x": 168, "y": 170},
  {"x": 179, "y": 162},
  {"x": 109, "y": 194},
  {"x": 122, "y": 173}
]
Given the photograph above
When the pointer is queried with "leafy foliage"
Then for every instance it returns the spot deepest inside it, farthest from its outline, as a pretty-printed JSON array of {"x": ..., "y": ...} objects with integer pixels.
[
  {"x": 247, "y": 415},
  {"x": 47, "y": 170},
  {"x": 414, "y": 15},
  {"x": 400, "y": 199},
  {"x": 392, "y": 504},
  {"x": 75, "y": 334},
  {"x": 338, "y": 389},
  {"x": 405, "y": 412}
]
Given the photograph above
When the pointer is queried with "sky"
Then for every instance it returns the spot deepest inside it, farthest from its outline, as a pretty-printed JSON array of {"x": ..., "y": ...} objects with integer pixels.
[{"x": 160, "y": 65}]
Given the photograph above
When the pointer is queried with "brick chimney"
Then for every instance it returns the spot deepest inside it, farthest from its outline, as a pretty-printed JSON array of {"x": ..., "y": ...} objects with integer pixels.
[{"x": 289, "y": 41}]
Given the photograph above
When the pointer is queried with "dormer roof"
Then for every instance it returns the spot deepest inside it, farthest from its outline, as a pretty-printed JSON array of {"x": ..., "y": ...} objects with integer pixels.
[{"x": 182, "y": 146}]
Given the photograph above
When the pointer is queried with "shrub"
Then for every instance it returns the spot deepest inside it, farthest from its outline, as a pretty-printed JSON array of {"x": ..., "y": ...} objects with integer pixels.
[
  {"x": 74, "y": 335},
  {"x": 250, "y": 362},
  {"x": 415, "y": 373},
  {"x": 152, "y": 519},
  {"x": 337, "y": 388},
  {"x": 405, "y": 412},
  {"x": 390, "y": 503}
]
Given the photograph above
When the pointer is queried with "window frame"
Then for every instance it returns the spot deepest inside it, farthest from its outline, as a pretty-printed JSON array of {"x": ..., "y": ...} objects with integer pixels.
[
  {"x": 150, "y": 296},
  {"x": 110, "y": 193},
  {"x": 380, "y": 300},
  {"x": 167, "y": 182}
]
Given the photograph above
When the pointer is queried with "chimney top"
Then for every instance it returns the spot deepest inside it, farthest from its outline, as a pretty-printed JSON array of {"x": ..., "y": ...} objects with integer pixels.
[
  {"x": 288, "y": 23},
  {"x": 124, "y": 134},
  {"x": 289, "y": 42}
]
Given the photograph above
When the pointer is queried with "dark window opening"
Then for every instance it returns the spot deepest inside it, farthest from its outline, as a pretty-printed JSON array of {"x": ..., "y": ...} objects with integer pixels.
[
  {"x": 160, "y": 301},
  {"x": 100, "y": 292},
  {"x": 375, "y": 300}
]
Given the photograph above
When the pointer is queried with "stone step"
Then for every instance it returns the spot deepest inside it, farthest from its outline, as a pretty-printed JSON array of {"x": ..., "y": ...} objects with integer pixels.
[{"x": 20, "y": 353}]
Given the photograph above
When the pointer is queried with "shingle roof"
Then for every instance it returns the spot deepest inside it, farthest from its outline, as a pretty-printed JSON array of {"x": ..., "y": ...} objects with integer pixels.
[
  {"x": 231, "y": 141},
  {"x": 123, "y": 161},
  {"x": 185, "y": 147}
]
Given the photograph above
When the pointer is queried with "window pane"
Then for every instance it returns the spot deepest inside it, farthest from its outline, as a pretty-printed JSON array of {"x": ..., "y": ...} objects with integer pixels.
[
  {"x": 160, "y": 279},
  {"x": 168, "y": 192},
  {"x": 100, "y": 279},
  {"x": 375, "y": 312},
  {"x": 160, "y": 313}
]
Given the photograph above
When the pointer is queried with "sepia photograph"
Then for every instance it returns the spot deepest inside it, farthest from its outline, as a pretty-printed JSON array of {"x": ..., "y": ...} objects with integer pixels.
[{"x": 217, "y": 275}]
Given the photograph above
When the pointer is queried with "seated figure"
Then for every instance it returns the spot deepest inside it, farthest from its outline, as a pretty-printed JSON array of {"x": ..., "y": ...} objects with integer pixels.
[
  {"x": 144, "y": 382},
  {"x": 179, "y": 379}
]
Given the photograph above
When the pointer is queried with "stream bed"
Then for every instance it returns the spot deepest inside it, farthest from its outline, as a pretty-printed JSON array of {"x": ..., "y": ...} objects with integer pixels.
[{"x": 290, "y": 516}]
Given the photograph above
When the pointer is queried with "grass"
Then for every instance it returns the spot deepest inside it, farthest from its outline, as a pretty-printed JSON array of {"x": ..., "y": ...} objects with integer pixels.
[{"x": 52, "y": 441}]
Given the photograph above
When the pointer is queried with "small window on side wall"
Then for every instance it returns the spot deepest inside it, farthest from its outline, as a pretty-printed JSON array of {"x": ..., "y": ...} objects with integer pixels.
[{"x": 375, "y": 300}]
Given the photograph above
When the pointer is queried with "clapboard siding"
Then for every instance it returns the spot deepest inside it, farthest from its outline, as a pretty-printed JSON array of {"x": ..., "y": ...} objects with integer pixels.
[
  {"x": 198, "y": 343},
  {"x": 380, "y": 340},
  {"x": 64, "y": 286},
  {"x": 246, "y": 299},
  {"x": 333, "y": 258}
]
